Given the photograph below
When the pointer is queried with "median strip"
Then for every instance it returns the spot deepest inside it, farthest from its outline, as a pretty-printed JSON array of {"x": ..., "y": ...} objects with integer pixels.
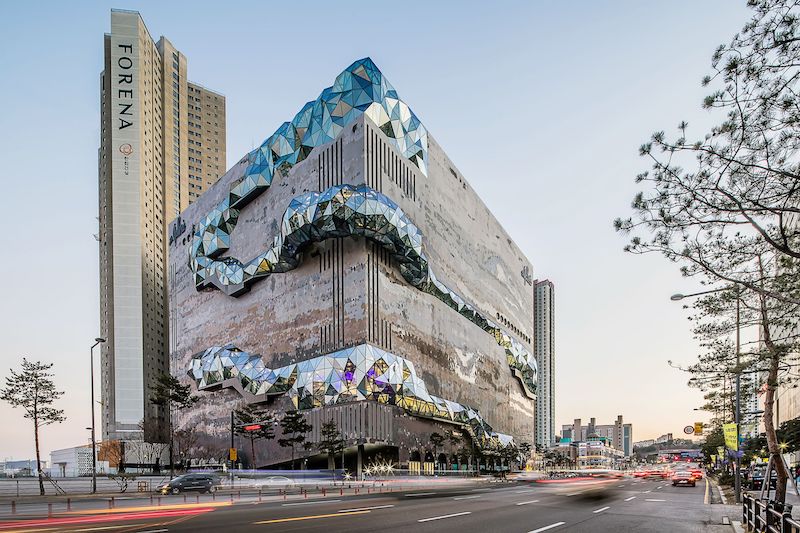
[
  {"x": 444, "y": 516},
  {"x": 545, "y": 528},
  {"x": 309, "y": 517},
  {"x": 308, "y": 503}
]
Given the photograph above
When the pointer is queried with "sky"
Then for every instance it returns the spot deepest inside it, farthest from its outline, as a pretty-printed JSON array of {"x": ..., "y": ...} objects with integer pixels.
[{"x": 541, "y": 105}]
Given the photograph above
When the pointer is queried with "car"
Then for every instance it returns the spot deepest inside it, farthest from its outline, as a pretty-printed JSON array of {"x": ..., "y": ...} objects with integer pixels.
[
  {"x": 188, "y": 482},
  {"x": 756, "y": 479},
  {"x": 697, "y": 473},
  {"x": 683, "y": 477}
]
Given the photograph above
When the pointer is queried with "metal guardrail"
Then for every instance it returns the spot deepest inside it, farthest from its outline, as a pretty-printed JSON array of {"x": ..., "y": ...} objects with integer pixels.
[{"x": 767, "y": 516}]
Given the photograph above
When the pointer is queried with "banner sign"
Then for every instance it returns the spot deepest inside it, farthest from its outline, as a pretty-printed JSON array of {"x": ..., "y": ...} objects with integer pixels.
[{"x": 731, "y": 436}]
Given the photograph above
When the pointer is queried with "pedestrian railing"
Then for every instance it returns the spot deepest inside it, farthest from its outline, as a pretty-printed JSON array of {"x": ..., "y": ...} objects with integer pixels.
[{"x": 767, "y": 516}]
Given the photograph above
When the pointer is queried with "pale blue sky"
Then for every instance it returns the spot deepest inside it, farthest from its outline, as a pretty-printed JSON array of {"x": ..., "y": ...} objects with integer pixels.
[{"x": 542, "y": 105}]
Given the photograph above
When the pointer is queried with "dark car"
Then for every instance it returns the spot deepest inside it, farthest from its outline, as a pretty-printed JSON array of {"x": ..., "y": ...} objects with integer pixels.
[
  {"x": 756, "y": 479},
  {"x": 187, "y": 482}
]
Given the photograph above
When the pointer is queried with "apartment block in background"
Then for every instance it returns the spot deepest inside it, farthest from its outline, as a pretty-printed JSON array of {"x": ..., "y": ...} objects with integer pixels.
[{"x": 162, "y": 144}]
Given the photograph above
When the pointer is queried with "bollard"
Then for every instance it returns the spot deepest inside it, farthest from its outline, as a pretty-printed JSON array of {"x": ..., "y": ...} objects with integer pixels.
[
  {"x": 151, "y": 499},
  {"x": 259, "y": 495},
  {"x": 284, "y": 496},
  {"x": 13, "y": 507},
  {"x": 305, "y": 494},
  {"x": 323, "y": 491},
  {"x": 49, "y": 510},
  {"x": 69, "y": 504},
  {"x": 109, "y": 504},
  {"x": 240, "y": 494},
  {"x": 159, "y": 501},
  {"x": 214, "y": 495},
  {"x": 231, "y": 497},
  {"x": 341, "y": 491},
  {"x": 184, "y": 497},
  {"x": 197, "y": 498}
]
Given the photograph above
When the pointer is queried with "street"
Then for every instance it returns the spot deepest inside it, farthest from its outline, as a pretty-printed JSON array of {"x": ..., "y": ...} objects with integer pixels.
[{"x": 629, "y": 505}]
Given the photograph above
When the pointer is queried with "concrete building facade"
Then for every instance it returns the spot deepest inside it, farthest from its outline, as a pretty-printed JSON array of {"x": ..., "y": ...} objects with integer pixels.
[
  {"x": 342, "y": 316},
  {"x": 148, "y": 172},
  {"x": 544, "y": 349}
]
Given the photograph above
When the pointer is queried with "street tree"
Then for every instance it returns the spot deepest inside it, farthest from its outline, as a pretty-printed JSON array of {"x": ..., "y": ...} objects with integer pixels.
[
  {"x": 169, "y": 394},
  {"x": 294, "y": 428},
  {"x": 34, "y": 391},
  {"x": 254, "y": 423},
  {"x": 331, "y": 442},
  {"x": 733, "y": 192},
  {"x": 436, "y": 439}
]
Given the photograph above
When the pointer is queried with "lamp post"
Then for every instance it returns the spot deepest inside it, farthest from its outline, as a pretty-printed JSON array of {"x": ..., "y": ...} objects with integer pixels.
[
  {"x": 737, "y": 412},
  {"x": 97, "y": 341}
]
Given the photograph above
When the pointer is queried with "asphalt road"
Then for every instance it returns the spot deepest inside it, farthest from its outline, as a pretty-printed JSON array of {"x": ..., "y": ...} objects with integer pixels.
[{"x": 628, "y": 506}]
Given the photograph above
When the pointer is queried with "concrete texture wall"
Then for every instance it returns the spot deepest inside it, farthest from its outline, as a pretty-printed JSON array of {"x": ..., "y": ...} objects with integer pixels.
[{"x": 347, "y": 292}]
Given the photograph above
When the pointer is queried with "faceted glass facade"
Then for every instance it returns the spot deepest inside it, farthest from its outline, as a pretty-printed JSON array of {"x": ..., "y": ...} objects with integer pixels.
[{"x": 360, "y": 373}]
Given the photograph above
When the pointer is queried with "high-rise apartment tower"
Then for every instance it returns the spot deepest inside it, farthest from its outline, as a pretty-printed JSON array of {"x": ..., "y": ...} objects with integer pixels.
[
  {"x": 544, "y": 350},
  {"x": 162, "y": 144}
]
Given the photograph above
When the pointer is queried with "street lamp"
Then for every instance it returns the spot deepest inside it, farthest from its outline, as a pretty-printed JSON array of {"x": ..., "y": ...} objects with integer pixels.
[
  {"x": 737, "y": 414},
  {"x": 97, "y": 341}
]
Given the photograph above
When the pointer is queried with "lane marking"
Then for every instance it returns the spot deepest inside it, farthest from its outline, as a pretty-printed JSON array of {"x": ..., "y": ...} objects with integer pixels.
[
  {"x": 526, "y": 503},
  {"x": 706, "y": 498},
  {"x": 523, "y": 491},
  {"x": 444, "y": 516},
  {"x": 365, "y": 508},
  {"x": 631, "y": 498},
  {"x": 653, "y": 500},
  {"x": 606, "y": 508},
  {"x": 310, "y": 517},
  {"x": 308, "y": 503},
  {"x": 647, "y": 492},
  {"x": 576, "y": 493},
  {"x": 467, "y": 497},
  {"x": 419, "y": 494},
  {"x": 481, "y": 490},
  {"x": 545, "y": 528},
  {"x": 620, "y": 486}
]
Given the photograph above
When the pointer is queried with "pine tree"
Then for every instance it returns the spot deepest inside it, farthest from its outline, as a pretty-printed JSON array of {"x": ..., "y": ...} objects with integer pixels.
[
  {"x": 169, "y": 394},
  {"x": 294, "y": 428},
  {"x": 34, "y": 391},
  {"x": 331, "y": 443},
  {"x": 253, "y": 415}
]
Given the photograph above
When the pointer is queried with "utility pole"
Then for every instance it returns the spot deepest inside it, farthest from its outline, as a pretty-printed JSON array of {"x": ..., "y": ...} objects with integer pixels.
[
  {"x": 738, "y": 476},
  {"x": 97, "y": 341}
]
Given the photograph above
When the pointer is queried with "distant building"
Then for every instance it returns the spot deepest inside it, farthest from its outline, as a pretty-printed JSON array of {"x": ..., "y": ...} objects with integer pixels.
[
  {"x": 74, "y": 462},
  {"x": 619, "y": 435},
  {"x": 644, "y": 443},
  {"x": 162, "y": 144},
  {"x": 21, "y": 468},
  {"x": 663, "y": 439},
  {"x": 544, "y": 350}
]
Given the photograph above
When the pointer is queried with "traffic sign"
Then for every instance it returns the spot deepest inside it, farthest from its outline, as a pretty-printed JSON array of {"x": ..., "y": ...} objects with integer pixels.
[
  {"x": 252, "y": 427},
  {"x": 688, "y": 430},
  {"x": 232, "y": 454},
  {"x": 698, "y": 427}
]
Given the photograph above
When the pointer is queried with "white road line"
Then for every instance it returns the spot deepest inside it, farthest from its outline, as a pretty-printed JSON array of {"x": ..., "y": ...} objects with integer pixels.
[
  {"x": 526, "y": 503},
  {"x": 545, "y": 528},
  {"x": 522, "y": 491},
  {"x": 419, "y": 494},
  {"x": 653, "y": 500},
  {"x": 629, "y": 499},
  {"x": 576, "y": 493},
  {"x": 467, "y": 497},
  {"x": 308, "y": 503},
  {"x": 444, "y": 516},
  {"x": 620, "y": 486},
  {"x": 480, "y": 490},
  {"x": 601, "y": 510},
  {"x": 647, "y": 492},
  {"x": 364, "y": 508}
]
